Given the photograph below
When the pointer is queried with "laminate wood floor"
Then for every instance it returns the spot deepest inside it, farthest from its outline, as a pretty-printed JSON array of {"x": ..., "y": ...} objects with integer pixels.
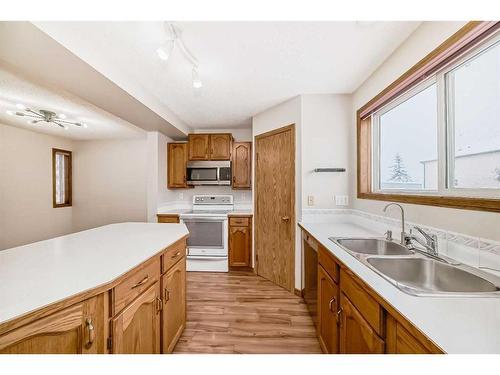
[{"x": 239, "y": 312}]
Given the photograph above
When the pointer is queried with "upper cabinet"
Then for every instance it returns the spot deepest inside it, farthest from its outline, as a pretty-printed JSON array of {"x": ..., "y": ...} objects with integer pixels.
[
  {"x": 220, "y": 146},
  {"x": 210, "y": 146},
  {"x": 242, "y": 165},
  {"x": 177, "y": 156},
  {"x": 199, "y": 145}
]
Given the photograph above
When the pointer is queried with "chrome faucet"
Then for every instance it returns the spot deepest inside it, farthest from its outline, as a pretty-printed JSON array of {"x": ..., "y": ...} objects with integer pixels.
[
  {"x": 430, "y": 245},
  {"x": 403, "y": 233}
]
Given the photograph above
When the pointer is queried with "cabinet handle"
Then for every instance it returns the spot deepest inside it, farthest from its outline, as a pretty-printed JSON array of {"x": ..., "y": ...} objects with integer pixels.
[
  {"x": 90, "y": 332},
  {"x": 159, "y": 304},
  {"x": 330, "y": 304},
  {"x": 175, "y": 255},
  {"x": 234, "y": 179},
  {"x": 142, "y": 282},
  {"x": 339, "y": 316},
  {"x": 166, "y": 292}
]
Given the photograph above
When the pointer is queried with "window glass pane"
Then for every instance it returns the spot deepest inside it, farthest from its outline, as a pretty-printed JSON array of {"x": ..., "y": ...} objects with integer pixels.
[
  {"x": 408, "y": 144},
  {"x": 474, "y": 101},
  {"x": 59, "y": 178}
]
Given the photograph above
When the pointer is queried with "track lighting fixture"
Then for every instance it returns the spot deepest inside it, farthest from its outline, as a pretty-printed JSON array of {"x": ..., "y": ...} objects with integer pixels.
[{"x": 174, "y": 39}]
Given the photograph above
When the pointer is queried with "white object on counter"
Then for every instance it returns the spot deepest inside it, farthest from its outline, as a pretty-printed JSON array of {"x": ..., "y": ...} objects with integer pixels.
[{"x": 39, "y": 274}]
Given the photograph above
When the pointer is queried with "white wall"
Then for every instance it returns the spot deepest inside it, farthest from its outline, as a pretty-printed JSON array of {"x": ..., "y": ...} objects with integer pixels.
[
  {"x": 26, "y": 212},
  {"x": 427, "y": 37},
  {"x": 325, "y": 129},
  {"x": 289, "y": 112},
  {"x": 109, "y": 182}
]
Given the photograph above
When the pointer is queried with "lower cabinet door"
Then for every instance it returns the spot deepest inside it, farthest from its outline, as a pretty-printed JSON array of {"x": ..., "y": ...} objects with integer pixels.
[
  {"x": 136, "y": 330},
  {"x": 328, "y": 332},
  {"x": 356, "y": 335},
  {"x": 174, "y": 305},
  {"x": 239, "y": 246},
  {"x": 74, "y": 330}
]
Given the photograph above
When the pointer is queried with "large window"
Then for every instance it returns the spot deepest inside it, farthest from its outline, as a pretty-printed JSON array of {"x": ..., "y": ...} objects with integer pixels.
[
  {"x": 61, "y": 178},
  {"x": 438, "y": 141}
]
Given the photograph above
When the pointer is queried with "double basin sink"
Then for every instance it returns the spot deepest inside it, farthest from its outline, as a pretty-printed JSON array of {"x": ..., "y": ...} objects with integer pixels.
[{"x": 417, "y": 274}]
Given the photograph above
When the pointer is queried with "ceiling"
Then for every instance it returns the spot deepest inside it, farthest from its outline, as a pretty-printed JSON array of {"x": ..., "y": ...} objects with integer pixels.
[
  {"x": 17, "y": 89},
  {"x": 245, "y": 67},
  {"x": 57, "y": 73}
]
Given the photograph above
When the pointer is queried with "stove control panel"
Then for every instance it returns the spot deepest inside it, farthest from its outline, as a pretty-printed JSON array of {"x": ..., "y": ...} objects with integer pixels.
[{"x": 212, "y": 199}]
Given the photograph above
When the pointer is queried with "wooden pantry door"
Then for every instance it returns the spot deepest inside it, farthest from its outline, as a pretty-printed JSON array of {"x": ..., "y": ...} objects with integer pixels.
[{"x": 275, "y": 206}]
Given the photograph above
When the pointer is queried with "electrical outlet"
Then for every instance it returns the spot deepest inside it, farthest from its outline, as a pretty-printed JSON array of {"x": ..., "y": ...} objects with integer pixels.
[
  {"x": 181, "y": 196},
  {"x": 342, "y": 200},
  {"x": 310, "y": 200}
]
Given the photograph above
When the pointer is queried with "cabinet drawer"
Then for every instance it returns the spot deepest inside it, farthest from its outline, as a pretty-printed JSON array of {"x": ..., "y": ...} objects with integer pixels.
[
  {"x": 239, "y": 221},
  {"x": 135, "y": 283},
  {"x": 310, "y": 240},
  {"x": 172, "y": 255},
  {"x": 369, "y": 308},
  {"x": 327, "y": 261},
  {"x": 168, "y": 218}
]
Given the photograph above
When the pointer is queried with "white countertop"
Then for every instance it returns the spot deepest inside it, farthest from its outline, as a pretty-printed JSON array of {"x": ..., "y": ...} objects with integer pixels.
[
  {"x": 457, "y": 325},
  {"x": 45, "y": 272}
]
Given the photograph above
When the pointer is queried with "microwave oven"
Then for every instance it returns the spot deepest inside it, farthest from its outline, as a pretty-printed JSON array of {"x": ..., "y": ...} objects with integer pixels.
[{"x": 209, "y": 173}]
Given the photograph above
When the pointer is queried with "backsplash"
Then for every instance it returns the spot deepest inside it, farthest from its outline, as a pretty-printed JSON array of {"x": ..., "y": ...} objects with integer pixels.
[{"x": 474, "y": 251}]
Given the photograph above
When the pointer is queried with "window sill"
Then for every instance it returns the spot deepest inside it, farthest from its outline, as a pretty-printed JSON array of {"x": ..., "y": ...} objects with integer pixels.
[{"x": 464, "y": 203}]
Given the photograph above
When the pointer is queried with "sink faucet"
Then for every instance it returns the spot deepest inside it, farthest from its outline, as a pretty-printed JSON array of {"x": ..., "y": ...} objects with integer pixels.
[
  {"x": 430, "y": 244},
  {"x": 403, "y": 233}
]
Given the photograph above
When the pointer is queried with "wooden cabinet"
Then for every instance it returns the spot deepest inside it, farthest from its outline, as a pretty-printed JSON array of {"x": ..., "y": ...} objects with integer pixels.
[
  {"x": 328, "y": 294},
  {"x": 136, "y": 330},
  {"x": 220, "y": 146},
  {"x": 199, "y": 146},
  {"x": 174, "y": 305},
  {"x": 242, "y": 165},
  {"x": 177, "y": 156},
  {"x": 240, "y": 242},
  {"x": 351, "y": 316},
  {"x": 210, "y": 146},
  {"x": 74, "y": 330},
  {"x": 168, "y": 218},
  {"x": 123, "y": 316},
  {"x": 356, "y": 334}
]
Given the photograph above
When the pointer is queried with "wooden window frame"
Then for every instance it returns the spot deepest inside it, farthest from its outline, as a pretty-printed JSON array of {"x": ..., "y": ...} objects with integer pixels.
[
  {"x": 364, "y": 138},
  {"x": 69, "y": 188}
]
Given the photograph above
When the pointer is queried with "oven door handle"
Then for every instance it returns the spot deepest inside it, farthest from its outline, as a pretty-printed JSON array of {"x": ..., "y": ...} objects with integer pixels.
[
  {"x": 202, "y": 219},
  {"x": 198, "y": 257}
]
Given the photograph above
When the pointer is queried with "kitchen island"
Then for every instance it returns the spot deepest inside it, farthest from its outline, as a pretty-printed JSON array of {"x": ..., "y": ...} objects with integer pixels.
[{"x": 91, "y": 291}]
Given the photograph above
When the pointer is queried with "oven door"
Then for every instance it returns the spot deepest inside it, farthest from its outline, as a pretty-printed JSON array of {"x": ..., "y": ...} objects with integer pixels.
[
  {"x": 207, "y": 236},
  {"x": 203, "y": 176}
]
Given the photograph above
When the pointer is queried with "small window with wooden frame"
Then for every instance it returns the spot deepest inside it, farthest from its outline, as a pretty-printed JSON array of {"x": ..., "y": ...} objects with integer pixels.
[
  {"x": 432, "y": 137},
  {"x": 61, "y": 178}
]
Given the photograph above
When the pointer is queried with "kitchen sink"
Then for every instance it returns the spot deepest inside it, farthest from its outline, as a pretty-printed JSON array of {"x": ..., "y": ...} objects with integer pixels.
[
  {"x": 372, "y": 246},
  {"x": 421, "y": 275}
]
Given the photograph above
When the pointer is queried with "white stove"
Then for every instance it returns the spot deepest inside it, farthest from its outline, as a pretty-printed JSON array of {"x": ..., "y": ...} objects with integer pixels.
[{"x": 207, "y": 243}]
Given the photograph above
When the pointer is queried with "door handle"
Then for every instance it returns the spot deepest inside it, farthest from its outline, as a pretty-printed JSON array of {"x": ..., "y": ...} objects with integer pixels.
[
  {"x": 285, "y": 218},
  {"x": 339, "y": 317},
  {"x": 90, "y": 332},
  {"x": 331, "y": 303}
]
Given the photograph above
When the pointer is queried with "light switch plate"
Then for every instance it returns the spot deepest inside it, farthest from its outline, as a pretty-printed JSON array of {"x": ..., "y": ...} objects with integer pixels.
[
  {"x": 310, "y": 200},
  {"x": 342, "y": 200}
]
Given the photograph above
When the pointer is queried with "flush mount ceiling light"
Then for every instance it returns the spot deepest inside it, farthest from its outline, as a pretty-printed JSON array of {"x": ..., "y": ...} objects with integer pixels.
[
  {"x": 175, "y": 39},
  {"x": 44, "y": 115}
]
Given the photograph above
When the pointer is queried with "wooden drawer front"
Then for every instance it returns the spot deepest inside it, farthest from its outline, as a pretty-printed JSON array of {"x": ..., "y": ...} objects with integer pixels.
[
  {"x": 135, "y": 283},
  {"x": 366, "y": 304},
  {"x": 327, "y": 261},
  {"x": 239, "y": 221},
  {"x": 168, "y": 219},
  {"x": 172, "y": 255}
]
